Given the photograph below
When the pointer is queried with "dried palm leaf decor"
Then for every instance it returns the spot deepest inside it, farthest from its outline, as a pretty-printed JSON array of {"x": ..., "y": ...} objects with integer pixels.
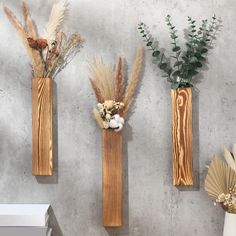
[
  {"x": 48, "y": 55},
  {"x": 114, "y": 100},
  {"x": 220, "y": 184}
]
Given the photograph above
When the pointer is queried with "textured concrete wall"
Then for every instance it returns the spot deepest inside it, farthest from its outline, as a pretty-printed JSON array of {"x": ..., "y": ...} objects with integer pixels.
[{"x": 153, "y": 207}]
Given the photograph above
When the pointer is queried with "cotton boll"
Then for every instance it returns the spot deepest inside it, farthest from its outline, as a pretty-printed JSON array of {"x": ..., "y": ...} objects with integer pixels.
[
  {"x": 113, "y": 124},
  {"x": 116, "y": 117},
  {"x": 119, "y": 128}
]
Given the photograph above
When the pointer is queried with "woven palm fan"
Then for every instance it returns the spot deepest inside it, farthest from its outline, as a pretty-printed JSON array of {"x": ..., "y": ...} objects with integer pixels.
[{"x": 220, "y": 178}]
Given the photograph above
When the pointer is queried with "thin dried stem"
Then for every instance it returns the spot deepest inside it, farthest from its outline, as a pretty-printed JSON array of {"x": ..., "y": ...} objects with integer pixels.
[
  {"x": 133, "y": 81},
  {"x": 119, "y": 87}
]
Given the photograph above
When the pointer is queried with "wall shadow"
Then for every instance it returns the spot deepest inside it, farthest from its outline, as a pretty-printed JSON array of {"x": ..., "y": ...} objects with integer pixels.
[
  {"x": 53, "y": 223},
  {"x": 54, "y": 178}
]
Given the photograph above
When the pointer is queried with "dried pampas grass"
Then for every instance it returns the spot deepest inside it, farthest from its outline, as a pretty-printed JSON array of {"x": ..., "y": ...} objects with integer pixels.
[
  {"x": 56, "y": 21},
  {"x": 103, "y": 79},
  {"x": 48, "y": 56},
  {"x": 108, "y": 85},
  {"x": 35, "y": 56},
  {"x": 133, "y": 81}
]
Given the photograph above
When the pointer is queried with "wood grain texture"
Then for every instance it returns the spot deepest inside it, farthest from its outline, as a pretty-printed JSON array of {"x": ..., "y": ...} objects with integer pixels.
[
  {"x": 182, "y": 166},
  {"x": 112, "y": 178},
  {"x": 42, "y": 148}
]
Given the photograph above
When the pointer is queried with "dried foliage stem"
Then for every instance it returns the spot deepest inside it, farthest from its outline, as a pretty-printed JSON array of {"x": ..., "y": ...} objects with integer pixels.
[
  {"x": 35, "y": 56},
  {"x": 119, "y": 87}
]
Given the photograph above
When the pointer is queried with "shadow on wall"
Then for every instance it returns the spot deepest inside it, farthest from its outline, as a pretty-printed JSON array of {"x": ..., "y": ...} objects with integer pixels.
[
  {"x": 54, "y": 178},
  {"x": 53, "y": 223}
]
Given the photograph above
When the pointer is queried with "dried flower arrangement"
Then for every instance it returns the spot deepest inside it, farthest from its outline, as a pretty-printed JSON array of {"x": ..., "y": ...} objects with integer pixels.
[
  {"x": 113, "y": 97},
  {"x": 50, "y": 53},
  {"x": 220, "y": 182},
  {"x": 188, "y": 62}
]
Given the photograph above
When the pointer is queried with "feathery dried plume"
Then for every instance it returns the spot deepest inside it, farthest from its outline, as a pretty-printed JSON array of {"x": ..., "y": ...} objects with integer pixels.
[
  {"x": 56, "y": 20},
  {"x": 133, "y": 81},
  {"x": 103, "y": 77},
  {"x": 34, "y": 56},
  {"x": 46, "y": 61},
  {"x": 98, "y": 118},
  {"x": 97, "y": 91},
  {"x": 119, "y": 86},
  {"x": 29, "y": 24}
]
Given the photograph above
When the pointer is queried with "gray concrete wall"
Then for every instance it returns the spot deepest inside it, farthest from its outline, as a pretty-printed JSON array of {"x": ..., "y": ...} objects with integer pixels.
[{"x": 153, "y": 207}]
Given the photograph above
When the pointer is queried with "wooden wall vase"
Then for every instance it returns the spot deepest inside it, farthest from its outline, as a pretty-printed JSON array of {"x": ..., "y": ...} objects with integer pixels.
[
  {"x": 112, "y": 178},
  {"x": 182, "y": 168},
  {"x": 42, "y": 140}
]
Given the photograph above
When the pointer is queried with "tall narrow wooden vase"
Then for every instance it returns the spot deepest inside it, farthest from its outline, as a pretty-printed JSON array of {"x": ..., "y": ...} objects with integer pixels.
[
  {"x": 42, "y": 140},
  {"x": 182, "y": 167},
  {"x": 112, "y": 178}
]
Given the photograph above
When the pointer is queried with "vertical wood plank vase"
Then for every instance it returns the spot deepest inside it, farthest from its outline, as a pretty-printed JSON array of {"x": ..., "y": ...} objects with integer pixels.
[
  {"x": 230, "y": 224},
  {"x": 182, "y": 165},
  {"x": 42, "y": 140},
  {"x": 112, "y": 178}
]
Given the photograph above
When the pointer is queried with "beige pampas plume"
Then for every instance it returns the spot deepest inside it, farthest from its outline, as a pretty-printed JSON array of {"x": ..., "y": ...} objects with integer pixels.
[
  {"x": 29, "y": 24},
  {"x": 133, "y": 80},
  {"x": 102, "y": 77},
  {"x": 56, "y": 20}
]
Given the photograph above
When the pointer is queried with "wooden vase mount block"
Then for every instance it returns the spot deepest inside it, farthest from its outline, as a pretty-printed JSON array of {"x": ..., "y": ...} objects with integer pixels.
[
  {"x": 112, "y": 178},
  {"x": 42, "y": 140},
  {"x": 182, "y": 136}
]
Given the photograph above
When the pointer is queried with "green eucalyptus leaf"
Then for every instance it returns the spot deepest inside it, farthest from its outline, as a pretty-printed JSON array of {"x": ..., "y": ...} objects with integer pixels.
[
  {"x": 178, "y": 63},
  {"x": 198, "y": 64},
  {"x": 149, "y": 43},
  {"x": 203, "y": 43},
  {"x": 176, "y": 49},
  {"x": 176, "y": 73},
  {"x": 174, "y": 85},
  {"x": 204, "y": 50},
  {"x": 156, "y": 53},
  {"x": 163, "y": 66}
]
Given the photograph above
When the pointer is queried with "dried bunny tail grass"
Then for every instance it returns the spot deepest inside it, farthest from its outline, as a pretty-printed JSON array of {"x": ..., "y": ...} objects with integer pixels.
[
  {"x": 98, "y": 118},
  {"x": 56, "y": 20},
  {"x": 119, "y": 86},
  {"x": 29, "y": 24},
  {"x": 103, "y": 77},
  {"x": 34, "y": 55},
  {"x": 133, "y": 81},
  {"x": 97, "y": 91}
]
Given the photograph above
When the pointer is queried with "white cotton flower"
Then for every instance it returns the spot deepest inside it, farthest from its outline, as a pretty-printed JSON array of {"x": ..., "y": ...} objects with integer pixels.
[
  {"x": 113, "y": 124},
  {"x": 120, "y": 128}
]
